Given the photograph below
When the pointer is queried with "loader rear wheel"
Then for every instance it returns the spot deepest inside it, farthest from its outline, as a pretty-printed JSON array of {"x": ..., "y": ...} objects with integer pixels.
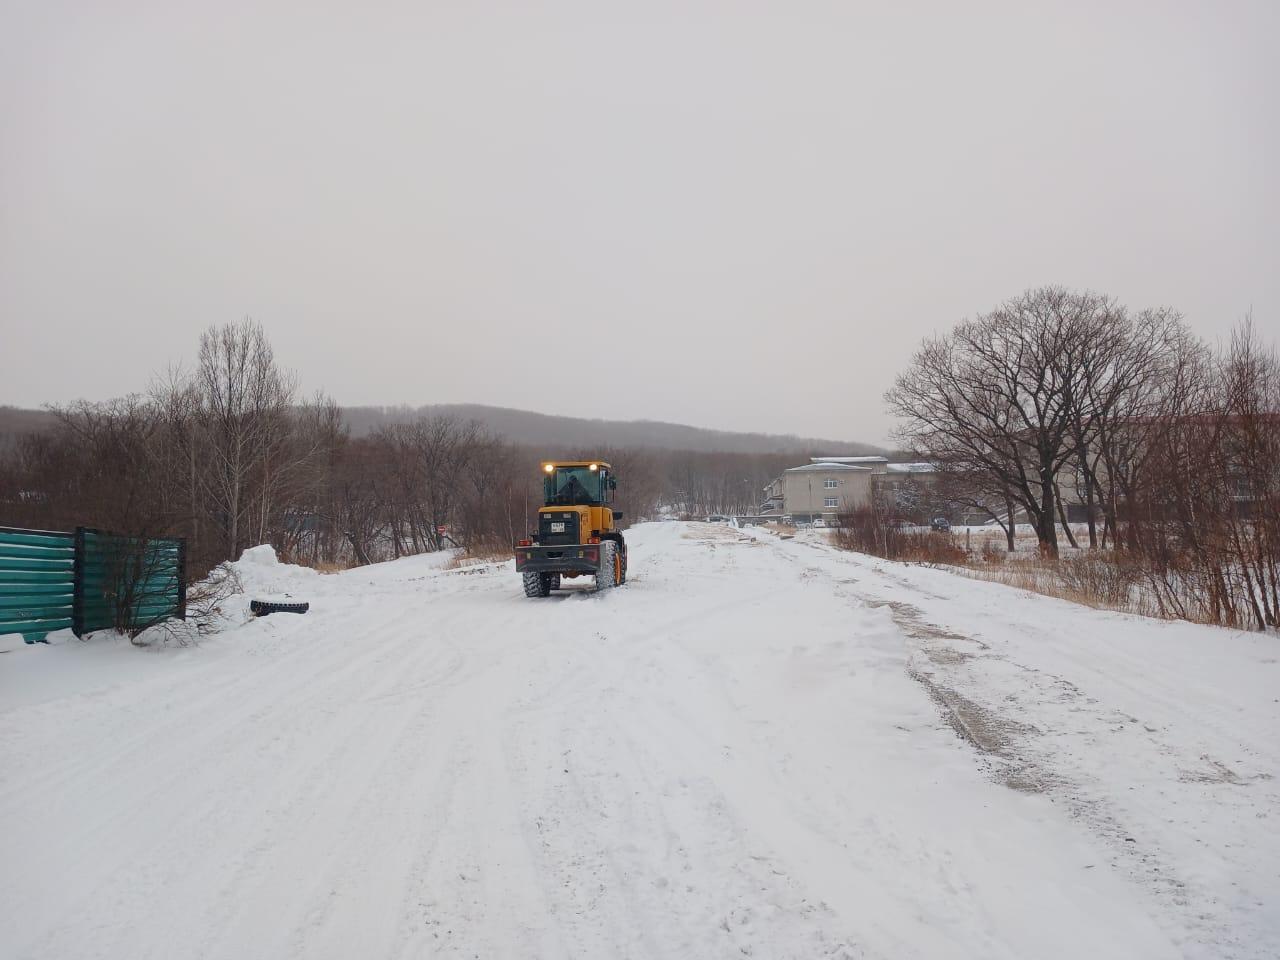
[
  {"x": 607, "y": 575},
  {"x": 554, "y": 579},
  {"x": 537, "y": 584}
]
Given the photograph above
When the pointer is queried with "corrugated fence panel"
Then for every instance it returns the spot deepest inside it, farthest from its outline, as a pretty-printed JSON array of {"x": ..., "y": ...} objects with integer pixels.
[
  {"x": 37, "y": 582},
  {"x": 145, "y": 577},
  {"x": 51, "y": 580}
]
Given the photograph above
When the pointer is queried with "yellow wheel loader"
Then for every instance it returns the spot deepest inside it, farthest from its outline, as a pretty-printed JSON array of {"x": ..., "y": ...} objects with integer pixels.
[{"x": 577, "y": 533}]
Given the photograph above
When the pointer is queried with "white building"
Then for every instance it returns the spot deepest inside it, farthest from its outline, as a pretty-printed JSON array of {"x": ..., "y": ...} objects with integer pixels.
[{"x": 829, "y": 486}]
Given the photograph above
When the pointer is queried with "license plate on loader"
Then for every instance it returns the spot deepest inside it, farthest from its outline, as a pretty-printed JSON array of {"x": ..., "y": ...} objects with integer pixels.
[{"x": 557, "y": 526}]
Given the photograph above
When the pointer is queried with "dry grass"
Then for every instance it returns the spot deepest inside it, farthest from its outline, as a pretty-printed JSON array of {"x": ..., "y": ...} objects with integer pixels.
[
  {"x": 330, "y": 566},
  {"x": 932, "y": 548},
  {"x": 894, "y": 542},
  {"x": 479, "y": 556},
  {"x": 1103, "y": 579}
]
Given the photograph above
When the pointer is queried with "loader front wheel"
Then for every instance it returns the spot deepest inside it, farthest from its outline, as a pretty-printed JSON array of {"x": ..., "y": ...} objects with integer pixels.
[
  {"x": 607, "y": 575},
  {"x": 537, "y": 584}
]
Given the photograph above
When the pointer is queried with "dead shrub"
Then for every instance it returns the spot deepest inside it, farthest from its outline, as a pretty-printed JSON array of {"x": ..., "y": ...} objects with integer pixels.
[
  {"x": 992, "y": 551},
  {"x": 932, "y": 548},
  {"x": 1102, "y": 579},
  {"x": 204, "y": 613},
  {"x": 205, "y": 599},
  {"x": 872, "y": 531},
  {"x": 478, "y": 555}
]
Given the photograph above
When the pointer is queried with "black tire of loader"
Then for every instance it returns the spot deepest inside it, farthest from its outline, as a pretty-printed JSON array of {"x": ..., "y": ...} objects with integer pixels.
[
  {"x": 607, "y": 575},
  {"x": 537, "y": 584}
]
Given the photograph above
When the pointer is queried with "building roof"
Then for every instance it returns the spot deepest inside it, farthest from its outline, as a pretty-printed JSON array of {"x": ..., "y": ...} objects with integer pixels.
[
  {"x": 912, "y": 468},
  {"x": 827, "y": 466},
  {"x": 866, "y": 460}
]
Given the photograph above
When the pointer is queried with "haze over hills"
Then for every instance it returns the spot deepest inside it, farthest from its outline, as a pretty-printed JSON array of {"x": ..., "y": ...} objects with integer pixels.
[{"x": 553, "y": 433}]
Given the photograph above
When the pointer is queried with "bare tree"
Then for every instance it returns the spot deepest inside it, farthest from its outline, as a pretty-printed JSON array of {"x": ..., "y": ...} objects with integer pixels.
[
  {"x": 244, "y": 400},
  {"x": 1126, "y": 367},
  {"x": 999, "y": 395},
  {"x": 1209, "y": 538},
  {"x": 118, "y": 480},
  {"x": 981, "y": 493}
]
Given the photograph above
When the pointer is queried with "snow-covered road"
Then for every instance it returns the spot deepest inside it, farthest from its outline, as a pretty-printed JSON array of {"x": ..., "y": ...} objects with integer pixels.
[{"x": 751, "y": 749}]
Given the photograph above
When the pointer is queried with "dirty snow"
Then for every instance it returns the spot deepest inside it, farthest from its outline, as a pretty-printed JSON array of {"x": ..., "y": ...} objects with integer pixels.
[{"x": 755, "y": 748}]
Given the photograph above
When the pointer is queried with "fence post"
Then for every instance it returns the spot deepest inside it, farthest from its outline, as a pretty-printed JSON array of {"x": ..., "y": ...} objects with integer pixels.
[
  {"x": 182, "y": 578},
  {"x": 77, "y": 588}
]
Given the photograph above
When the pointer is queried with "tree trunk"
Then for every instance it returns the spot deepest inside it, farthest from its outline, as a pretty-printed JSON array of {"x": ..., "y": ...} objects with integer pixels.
[
  {"x": 1088, "y": 506},
  {"x": 1062, "y": 515},
  {"x": 1046, "y": 522},
  {"x": 195, "y": 516},
  {"x": 234, "y": 509}
]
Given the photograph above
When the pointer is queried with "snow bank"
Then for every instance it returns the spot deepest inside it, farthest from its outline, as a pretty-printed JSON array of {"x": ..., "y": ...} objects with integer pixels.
[
  {"x": 264, "y": 577},
  {"x": 263, "y": 555}
]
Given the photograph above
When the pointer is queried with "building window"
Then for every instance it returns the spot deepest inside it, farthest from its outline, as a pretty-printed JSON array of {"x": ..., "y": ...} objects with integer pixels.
[
  {"x": 831, "y": 484},
  {"x": 831, "y": 502}
]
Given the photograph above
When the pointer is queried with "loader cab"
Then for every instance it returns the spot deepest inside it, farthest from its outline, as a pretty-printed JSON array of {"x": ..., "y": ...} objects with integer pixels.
[
  {"x": 577, "y": 499},
  {"x": 577, "y": 484}
]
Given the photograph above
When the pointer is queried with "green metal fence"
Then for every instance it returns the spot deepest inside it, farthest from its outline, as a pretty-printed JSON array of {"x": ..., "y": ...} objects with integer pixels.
[
  {"x": 88, "y": 580},
  {"x": 142, "y": 582},
  {"x": 37, "y": 582}
]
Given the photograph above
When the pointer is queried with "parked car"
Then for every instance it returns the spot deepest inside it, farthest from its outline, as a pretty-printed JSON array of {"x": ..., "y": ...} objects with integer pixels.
[
  {"x": 940, "y": 524},
  {"x": 819, "y": 523},
  {"x": 717, "y": 518}
]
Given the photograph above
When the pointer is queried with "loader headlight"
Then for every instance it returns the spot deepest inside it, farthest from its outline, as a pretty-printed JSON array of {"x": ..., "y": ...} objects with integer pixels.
[
  {"x": 595, "y": 466},
  {"x": 549, "y": 467}
]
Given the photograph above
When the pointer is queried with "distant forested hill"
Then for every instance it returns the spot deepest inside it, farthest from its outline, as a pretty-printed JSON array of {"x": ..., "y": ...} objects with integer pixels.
[
  {"x": 541, "y": 430},
  {"x": 548, "y": 431}
]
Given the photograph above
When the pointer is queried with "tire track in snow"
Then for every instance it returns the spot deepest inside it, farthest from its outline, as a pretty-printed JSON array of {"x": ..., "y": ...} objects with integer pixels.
[
  {"x": 246, "y": 744},
  {"x": 998, "y": 690}
]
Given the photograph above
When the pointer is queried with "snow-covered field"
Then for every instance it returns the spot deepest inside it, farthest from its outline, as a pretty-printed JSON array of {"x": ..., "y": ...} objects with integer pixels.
[{"x": 757, "y": 747}]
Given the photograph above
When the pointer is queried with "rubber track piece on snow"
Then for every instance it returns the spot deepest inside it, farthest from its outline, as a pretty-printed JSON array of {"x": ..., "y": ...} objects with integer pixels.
[{"x": 261, "y": 608}]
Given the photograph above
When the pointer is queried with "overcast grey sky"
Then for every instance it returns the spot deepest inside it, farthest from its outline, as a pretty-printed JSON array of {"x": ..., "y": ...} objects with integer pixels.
[{"x": 737, "y": 215}]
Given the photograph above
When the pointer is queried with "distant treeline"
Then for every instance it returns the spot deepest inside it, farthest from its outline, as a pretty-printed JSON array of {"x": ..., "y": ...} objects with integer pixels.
[
  {"x": 229, "y": 456},
  {"x": 540, "y": 430},
  {"x": 548, "y": 430}
]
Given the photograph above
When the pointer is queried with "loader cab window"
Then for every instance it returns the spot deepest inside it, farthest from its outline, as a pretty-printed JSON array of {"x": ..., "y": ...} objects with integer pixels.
[{"x": 570, "y": 486}]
